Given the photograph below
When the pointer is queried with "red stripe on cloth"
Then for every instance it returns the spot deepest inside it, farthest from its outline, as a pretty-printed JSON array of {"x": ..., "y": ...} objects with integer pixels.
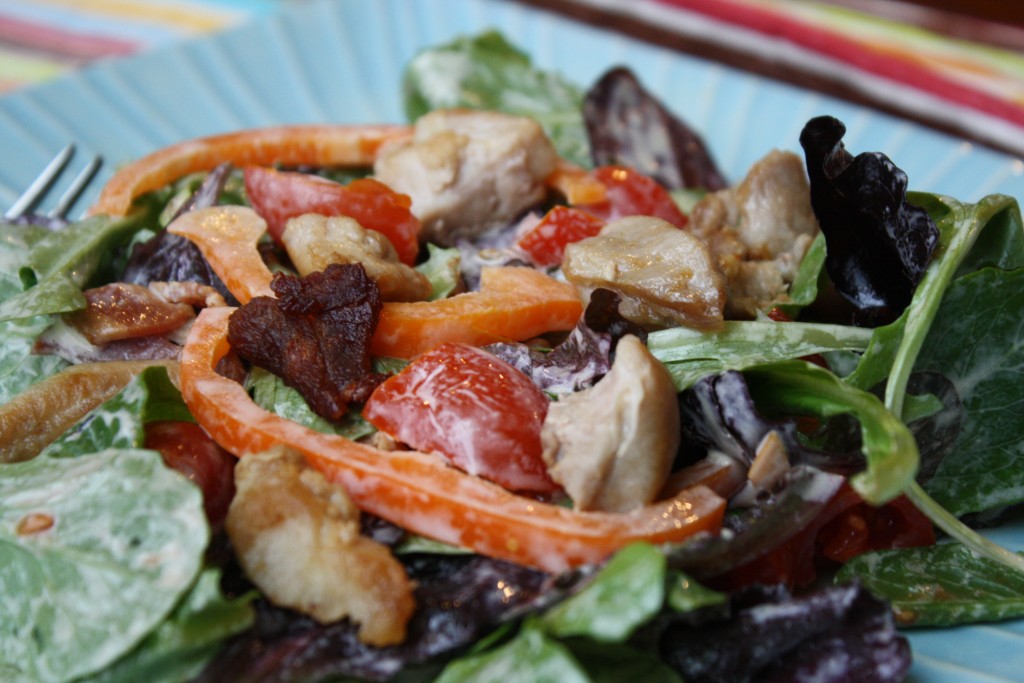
[
  {"x": 853, "y": 53},
  {"x": 43, "y": 38}
]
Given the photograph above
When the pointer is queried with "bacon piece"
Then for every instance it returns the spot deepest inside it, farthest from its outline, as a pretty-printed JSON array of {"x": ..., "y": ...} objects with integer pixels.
[
  {"x": 315, "y": 335},
  {"x": 121, "y": 311}
]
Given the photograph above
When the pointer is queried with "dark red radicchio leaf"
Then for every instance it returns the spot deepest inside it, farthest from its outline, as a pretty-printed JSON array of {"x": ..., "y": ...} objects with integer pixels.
[
  {"x": 459, "y": 599},
  {"x": 879, "y": 245},
  {"x": 315, "y": 335},
  {"x": 628, "y": 126},
  {"x": 829, "y": 635},
  {"x": 584, "y": 357},
  {"x": 166, "y": 257},
  {"x": 718, "y": 413}
]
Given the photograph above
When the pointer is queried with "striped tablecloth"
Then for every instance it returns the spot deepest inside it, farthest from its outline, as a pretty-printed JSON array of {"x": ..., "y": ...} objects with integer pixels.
[
  {"x": 966, "y": 86},
  {"x": 40, "y": 39}
]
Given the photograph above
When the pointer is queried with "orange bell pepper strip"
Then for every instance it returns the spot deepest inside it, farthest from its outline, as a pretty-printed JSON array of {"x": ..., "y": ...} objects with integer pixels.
[
  {"x": 228, "y": 237},
  {"x": 576, "y": 184},
  {"x": 421, "y": 493},
  {"x": 314, "y": 145},
  {"x": 514, "y": 303}
]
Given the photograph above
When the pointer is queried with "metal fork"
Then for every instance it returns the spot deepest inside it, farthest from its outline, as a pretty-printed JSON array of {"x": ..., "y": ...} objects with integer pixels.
[{"x": 21, "y": 210}]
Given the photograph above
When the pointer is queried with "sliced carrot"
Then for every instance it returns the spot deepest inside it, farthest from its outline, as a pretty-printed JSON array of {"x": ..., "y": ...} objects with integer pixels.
[
  {"x": 418, "y": 491},
  {"x": 228, "y": 236},
  {"x": 313, "y": 145},
  {"x": 513, "y": 303}
]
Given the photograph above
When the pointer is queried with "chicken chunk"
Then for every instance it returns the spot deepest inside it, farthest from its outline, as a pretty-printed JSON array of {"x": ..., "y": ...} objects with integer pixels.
[
  {"x": 665, "y": 275},
  {"x": 758, "y": 231},
  {"x": 297, "y": 537},
  {"x": 468, "y": 171},
  {"x": 611, "y": 446},
  {"x": 314, "y": 242}
]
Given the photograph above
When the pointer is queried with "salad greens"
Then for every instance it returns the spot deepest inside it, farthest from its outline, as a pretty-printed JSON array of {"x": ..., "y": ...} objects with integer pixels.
[
  {"x": 103, "y": 568},
  {"x": 114, "y": 575},
  {"x": 942, "y": 585}
]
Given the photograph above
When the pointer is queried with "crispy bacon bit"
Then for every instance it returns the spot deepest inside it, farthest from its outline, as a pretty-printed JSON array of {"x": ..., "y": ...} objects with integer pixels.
[
  {"x": 315, "y": 335},
  {"x": 34, "y": 523},
  {"x": 121, "y": 311}
]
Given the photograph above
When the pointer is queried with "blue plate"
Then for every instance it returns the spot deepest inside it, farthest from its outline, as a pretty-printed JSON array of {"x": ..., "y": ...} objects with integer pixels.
[{"x": 341, "y": 61}]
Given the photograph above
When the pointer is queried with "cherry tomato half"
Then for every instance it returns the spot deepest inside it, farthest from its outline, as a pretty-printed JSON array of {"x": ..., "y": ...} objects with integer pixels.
[
  {"x": 630, "y": 193},
  {"x": 546, "y": 241},
  {"x": 185, "y": 447},
  {"x": 476, "y": 410},
  {"x": 279, "y": 195}
]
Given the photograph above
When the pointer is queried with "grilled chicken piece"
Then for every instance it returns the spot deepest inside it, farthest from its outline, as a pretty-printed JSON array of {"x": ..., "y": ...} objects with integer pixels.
[
  {"x": 468, "y": 171},
  {"x": 611, "y": 446},
  {"x": 314, "y": 242},
  {"x": 666, "y": 276},
  {"x": 759, "y": 231},
  {"x": 297, "y": 537}
]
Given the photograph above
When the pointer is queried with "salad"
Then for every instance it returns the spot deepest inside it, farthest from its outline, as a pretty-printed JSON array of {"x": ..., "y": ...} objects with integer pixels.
[{"x": 736, "y": 469}]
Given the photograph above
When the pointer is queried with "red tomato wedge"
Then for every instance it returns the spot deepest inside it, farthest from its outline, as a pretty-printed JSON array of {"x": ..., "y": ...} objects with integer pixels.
[
  {"x": 313, "y": 145},
  {"x": 513, "y": 303},
  {"x": 420, "y": 492},
  {"x": 280, "y": 195},
  {"x": 630, "y": 193},
  {"x": 187, "y": 448},
  {"x": 476, "y": 410},
  {"x": 561, "y": 226}
]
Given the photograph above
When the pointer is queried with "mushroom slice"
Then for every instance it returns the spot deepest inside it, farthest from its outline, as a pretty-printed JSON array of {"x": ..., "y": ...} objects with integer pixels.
[
  {"x": 666, "y": 276},
  {"x": 314, "y": 242},
  {"x": 297, "y": 537},
  {"x": 469, "y": 171},
  {"x": 611, "y": 446}
]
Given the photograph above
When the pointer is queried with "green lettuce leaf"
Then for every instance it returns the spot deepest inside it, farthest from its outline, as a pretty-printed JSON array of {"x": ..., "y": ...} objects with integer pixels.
[
  {"x": 530, "y": 657},
  {"x": 488, "y": 72},
  {"x": 990, "y": 232},
  {"x": 888, "y": 445},
  {"x": 120, "y": 422},
  {"x": 977, "y": 342},
  {"x": 58, "y": 265},
  {"x": 691, "y": 354},
  {"x": 181, "y": 646},
  {"x": 271, "y": 393},
  {"x": 125, "y": 543},
  {"x": 443, "y": 269},
  {"x": 627, "y": 591},
  {"x": 942, "y": 585},
  {"x": 19, "y": 367}
]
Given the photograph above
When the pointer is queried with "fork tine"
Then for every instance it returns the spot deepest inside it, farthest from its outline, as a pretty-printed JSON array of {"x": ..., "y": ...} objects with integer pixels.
[
  {"x": 40, "y": 185},
  {"x": 77, "y": 185}
]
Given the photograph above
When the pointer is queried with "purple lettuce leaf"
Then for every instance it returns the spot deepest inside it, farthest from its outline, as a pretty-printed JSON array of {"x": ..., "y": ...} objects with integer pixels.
[
  {"x": 836, "y": 633},
  {"x": 628, "y": 126},
  {"x": 460, "y": 598},
  {"x": 583, "y": 358},
  {"x": 878, "y": 244},
  {"x": 166, "y": 257}
]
